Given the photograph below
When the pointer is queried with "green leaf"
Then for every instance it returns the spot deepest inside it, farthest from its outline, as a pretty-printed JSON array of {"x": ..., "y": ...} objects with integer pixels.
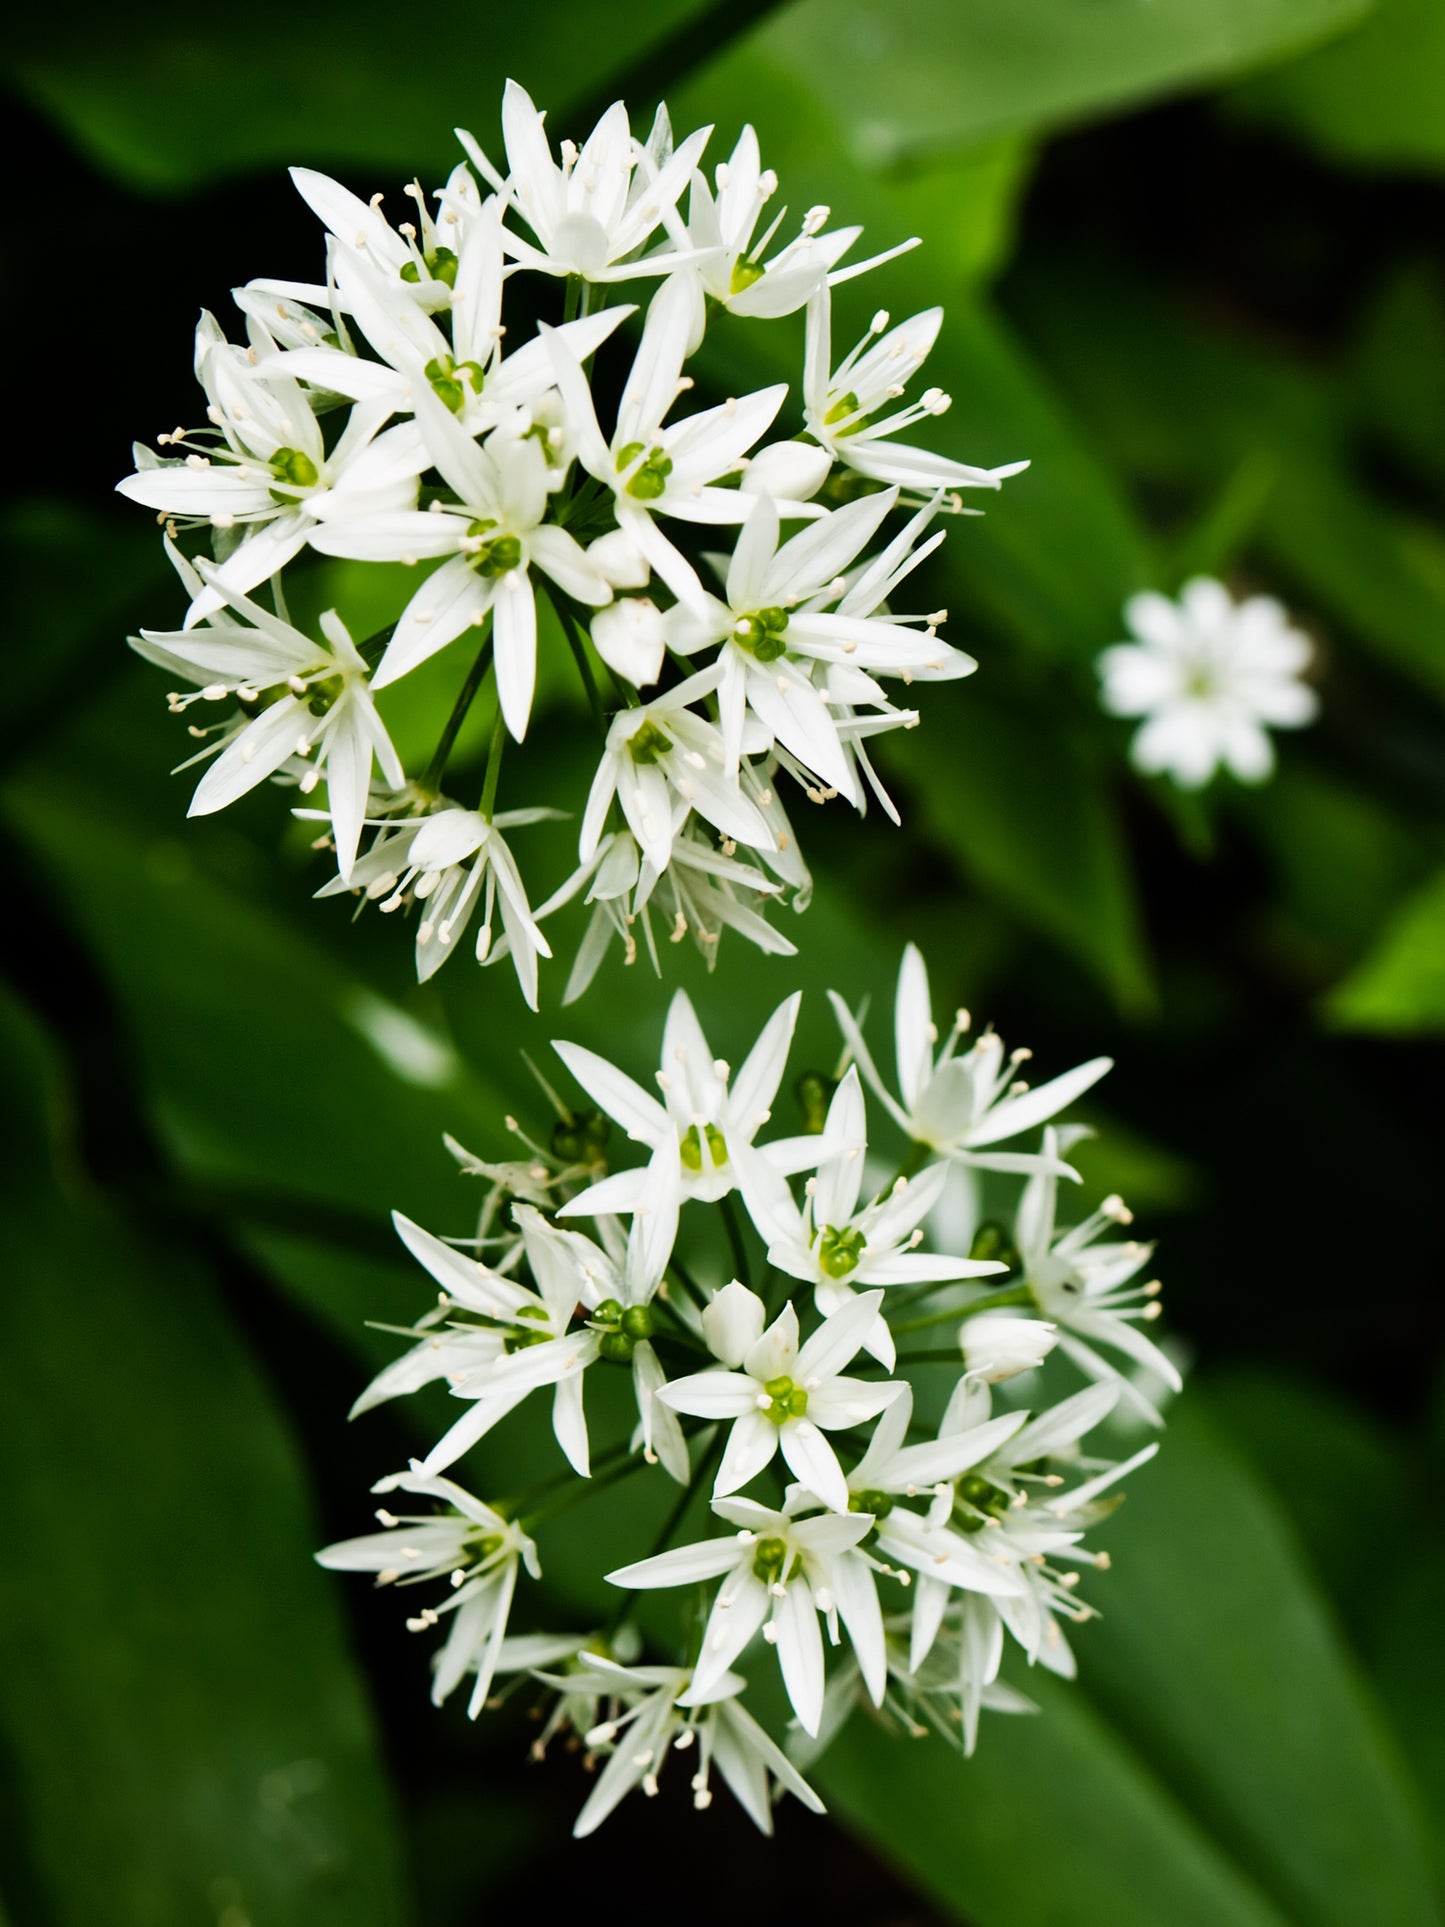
[
  {"x": 1018, "y": 808},
  {"x": 169, "y": 105},
  {"x": 1216, "y": 1658},
  {"x": 907, "y": 76},
  {"x": 1054, "y": 1823},
  {"x": 1219, "y": 1760},
  {"x": 267, "y": 1065},
  {"x": 187, "y": 1735},
  {"x": 1400, "y": 987},
  {"x": 1373, "y": 99}
]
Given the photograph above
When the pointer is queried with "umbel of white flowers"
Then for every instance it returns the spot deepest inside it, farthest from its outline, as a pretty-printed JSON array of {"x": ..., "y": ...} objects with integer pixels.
[
  {"x": 730, "y": 578},
  {"x": 879, "y": 1475}
]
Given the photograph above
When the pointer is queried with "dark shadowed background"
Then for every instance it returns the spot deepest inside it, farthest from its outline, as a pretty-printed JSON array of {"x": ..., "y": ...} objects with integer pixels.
[{"x": 1191, "y": 256}]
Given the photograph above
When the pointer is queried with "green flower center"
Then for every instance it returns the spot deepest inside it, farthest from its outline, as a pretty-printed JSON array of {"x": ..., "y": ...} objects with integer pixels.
[
  {"x": 840, "y": 1251},
  {"x": 294, "y": 467},
  {"x": 761, "y": 634},
  {"x": 690, "y": 1149},
  {"x": 785, "y": 1400},
  {"x": 770, "y": 1560},
  {"x": 496, "y": 557},
  {"x": 845, "y": 406},
  {"x": 650, "y": 479},
  {"x": 519, "y": 1341},
  {"x": 880, "y": 1504},
  {"x": 583, "y": 1140},
  {"x": 441, "y": 265},
  {"x": 321, "y": 695},
  {"x": 648, "y": 744},
  {"x": 979, "y": 1496},
  {"x": 814, "y": 1091},
  {"x": 622, "y": 1328},
  {"x": 451, "y": 379},
  {"x": 745, "y": 272},
  {"x": 992, "y": 1243}
]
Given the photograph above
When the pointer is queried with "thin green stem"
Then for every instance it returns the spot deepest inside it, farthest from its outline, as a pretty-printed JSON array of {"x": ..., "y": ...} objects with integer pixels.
[
  {"x": 572, "y": 297},
  {"x": 476, "y": 676},
  {"x": 573, "y": 633},
  {"x": 701, "y": 1473},
  {"x": 953, "y": 1358},
  {"x": 580, "y": 1488},
  {"x": 735, "y": 1238},
  {"x": 1018, "y": 1295},
  {"x": 513, "y": 1508},
  {"x": 372, "y": 650},
  {"x": 494, "y": 767},
  {"x": 913, "y": 1162}
]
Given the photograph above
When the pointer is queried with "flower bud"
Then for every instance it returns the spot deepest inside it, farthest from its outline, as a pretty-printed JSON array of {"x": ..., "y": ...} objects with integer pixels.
[
  {"x": 788, "y": 471},
  {"x": 733, "y": 1323},
  {"x": 620, "y": 560},
  {"x": 630, "y": 639},
  {"x": 997, "y": 1345}
]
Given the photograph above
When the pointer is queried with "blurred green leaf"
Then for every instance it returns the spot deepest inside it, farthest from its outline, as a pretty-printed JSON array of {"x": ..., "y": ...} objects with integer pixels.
[
  {"x": 184, "y": 1736},
  {"x": 1023, "y": 813},
  {"x": 1400, "y": 987},
  {"x": 910, "y": 75},
  {"x": 1373, "y": 99},
  {"x": 1215, "y": 1673},
  {"x": 1054, "y": 1821},
  {"x": 1216, "y": 1658},
  {"x": 169, "y": 105},
  {"x": 263, "y": 1066}
]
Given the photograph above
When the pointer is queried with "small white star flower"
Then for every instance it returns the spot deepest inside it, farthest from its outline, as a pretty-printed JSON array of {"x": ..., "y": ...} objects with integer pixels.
[{"x": 1211, "y": 677}]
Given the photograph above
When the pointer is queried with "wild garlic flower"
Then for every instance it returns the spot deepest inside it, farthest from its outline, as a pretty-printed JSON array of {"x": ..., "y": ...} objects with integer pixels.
[
  {"x": 477, "y": 1549},
  {"x": 1211, "y": 677},
  {"x": 303, "y": 705},
  {"x": 962, "y": 1103},
  {"x": 852, "y": 410}
]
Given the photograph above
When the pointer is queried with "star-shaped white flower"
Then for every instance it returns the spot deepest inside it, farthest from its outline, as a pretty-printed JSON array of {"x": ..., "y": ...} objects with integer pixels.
[
  {"x": 493, "y": 535},
  {"x": 657, "y": 468},
  {"x": 852, "y": 410},
  {"x": 476, "y": 1547},
  {"x": 1085, "y": 1286},
  {"x": 784, "y": 1395},
  {"x": 778, "y": 1574},
  {"x": 302, "y": 700},
  {"x": 962, "y": 1105},
  {"x": 1211, "y": 677},
  {"x": 593, "y": 212}
]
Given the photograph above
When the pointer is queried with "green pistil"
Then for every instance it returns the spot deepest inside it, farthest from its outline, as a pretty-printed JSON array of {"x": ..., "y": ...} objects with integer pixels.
[
  {"x": 979, "y": 1495},
  {"x": 294, "y": 467},
  {"x": 582, "y": 1139},
  {"x": 770, "y": 1560},
  {"x": 845, "y": 406},
  {"x": 623, "y": 1328},
  {"x": 321, "y": 695},
  {"x": 441, "y": 265},
  {"x": 992, "y": 1243},
  {"x": 761, "y": 634},
  {"x": 648, "y": 744},
  {"x": 840, "y": 1251},
  {"x": 690, "y": 1149},
  {"x": 745, "y": 273},
  {"x": 450, "y": 380},
  {"x": 785, "y": 1400},
  {"x": 498, "y": 557},
  {"x": 880, "y": 1504},
  {"x": 650, "y": 479}
]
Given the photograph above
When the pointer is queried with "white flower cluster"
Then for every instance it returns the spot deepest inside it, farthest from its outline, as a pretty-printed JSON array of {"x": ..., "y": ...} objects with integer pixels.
[
  {"x": 411, "y": 408},
  {"x": 839, "y": 1489}
]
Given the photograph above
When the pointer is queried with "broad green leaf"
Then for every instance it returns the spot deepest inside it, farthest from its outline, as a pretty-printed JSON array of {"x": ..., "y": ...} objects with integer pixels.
[
  {"x": 187, "y": 1737},
  {"x": 1373, "y": 99},
  {"x": 1400, "y": 987},
  {"x": 1054, "y": 1823},
  {"x": 1020, "y": 810},
  {"x": 1219, "y": 1759},
  {"x": 267, "y": 1066},
  {"x": 170, "y": 105},
  {"x": 912, "y": 75},
  {"x": 1216, "y": 1658}
]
